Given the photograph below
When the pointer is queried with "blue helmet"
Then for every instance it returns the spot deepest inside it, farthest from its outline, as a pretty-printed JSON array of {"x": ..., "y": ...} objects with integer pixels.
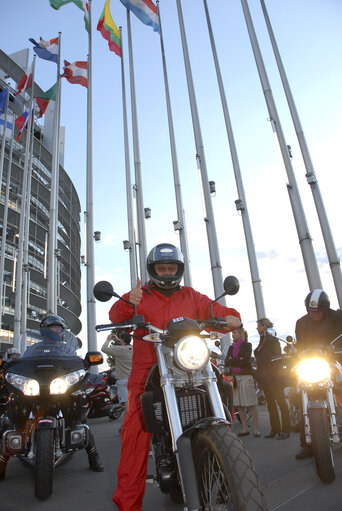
[{"x": 52, "y": 320}]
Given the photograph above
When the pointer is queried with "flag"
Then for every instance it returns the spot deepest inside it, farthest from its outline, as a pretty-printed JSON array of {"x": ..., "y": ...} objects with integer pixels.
[
  {"x": 145, "y": 10},
  {"x": 47, "y": 50},
  {"x": 76, "y": 72},
  {"x": 82, "y": 4},
  {"x": 44, "y": 99},
  {"x": 9, "y": 125},
  {"x": 25, "y": 82},
  {"x": 109, "y": 30},
  {"x": 3, "y": 97},
  {"x": 21, "y": 122}
]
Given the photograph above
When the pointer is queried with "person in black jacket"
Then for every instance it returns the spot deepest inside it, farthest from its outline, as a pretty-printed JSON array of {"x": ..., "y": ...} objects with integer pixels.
[
  {"x": 317, "y": 328},
  {"x": 269, "y": 380},
  {"x": 239, "y": 360}
]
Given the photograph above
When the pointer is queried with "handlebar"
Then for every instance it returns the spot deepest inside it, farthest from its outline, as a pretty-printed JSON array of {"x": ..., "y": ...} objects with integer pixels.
[{"x": 138, "y": 322}]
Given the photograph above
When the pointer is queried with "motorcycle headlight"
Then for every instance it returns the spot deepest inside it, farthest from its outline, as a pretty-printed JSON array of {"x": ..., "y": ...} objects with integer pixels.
[
  {"x": 61, "y": 384},
  {"x": 191, "y": 353},
  {"x": 28, "y": 386},
  {"x": 313, "y": 370}
]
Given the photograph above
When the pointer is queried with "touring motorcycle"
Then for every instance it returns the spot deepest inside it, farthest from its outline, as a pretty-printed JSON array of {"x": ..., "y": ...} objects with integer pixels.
[
  {"x": 318, "y": 376},
  {"x": 102, "y": 399},
  {"x": 199, "y": 461},
  {"x": 44, "y": 423}
]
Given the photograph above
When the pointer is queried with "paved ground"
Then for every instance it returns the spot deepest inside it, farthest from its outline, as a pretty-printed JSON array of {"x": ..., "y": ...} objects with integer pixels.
[{"x": 289, "y": 484}]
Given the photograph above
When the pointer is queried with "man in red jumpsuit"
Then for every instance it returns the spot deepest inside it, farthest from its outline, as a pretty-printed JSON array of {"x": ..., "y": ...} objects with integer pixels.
[{"x": 161, "y": 300}]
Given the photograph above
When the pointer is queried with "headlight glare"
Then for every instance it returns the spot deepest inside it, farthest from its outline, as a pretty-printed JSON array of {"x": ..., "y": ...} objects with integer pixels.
[
  {"x": 313, "y": 370},
  {"x": 61, "y": 384},
  {"x": 191, "y": 353},
  {"x": 28, "y": 386}
]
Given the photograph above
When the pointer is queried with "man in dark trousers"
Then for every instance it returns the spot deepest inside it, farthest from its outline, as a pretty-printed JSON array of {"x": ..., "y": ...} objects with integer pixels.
[
  {"x": 318, "y": 327},
  {"x": 268, "y": 380}
]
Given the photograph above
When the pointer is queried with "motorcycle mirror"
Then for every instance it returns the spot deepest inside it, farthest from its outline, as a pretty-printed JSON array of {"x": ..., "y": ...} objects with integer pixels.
[
  {"x": 231, "y": 285},
  {"x": 271, "y": 331},
  {"x": 290, "y": 339},
  {"x": 103, "y": 291}
]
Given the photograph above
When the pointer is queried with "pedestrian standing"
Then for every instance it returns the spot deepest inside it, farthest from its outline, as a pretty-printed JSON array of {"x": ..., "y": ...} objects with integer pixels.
[
  {"x": 269, "y": 381},
  {"x": 239, "y": 360}
]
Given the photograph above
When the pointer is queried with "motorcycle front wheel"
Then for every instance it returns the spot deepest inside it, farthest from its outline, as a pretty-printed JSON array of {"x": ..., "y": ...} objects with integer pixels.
[
  {"x": 321, "y": 444},
  {"x": 43, "y": 468},
  {"x": 225, "y": 473},
  {"x": 115, "y": 412}
]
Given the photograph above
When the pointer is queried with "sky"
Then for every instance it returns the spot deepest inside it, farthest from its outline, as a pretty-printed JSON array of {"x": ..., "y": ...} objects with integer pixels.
[{"x": 309, "y": 38}]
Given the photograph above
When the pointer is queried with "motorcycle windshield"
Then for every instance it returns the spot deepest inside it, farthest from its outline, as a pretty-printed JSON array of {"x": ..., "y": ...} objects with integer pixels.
[{"x": 48, "y": 347}]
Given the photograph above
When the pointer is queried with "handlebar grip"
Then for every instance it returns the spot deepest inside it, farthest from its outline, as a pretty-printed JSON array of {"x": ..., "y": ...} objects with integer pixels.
[
  {"x": 218, "y": 322},
  {"x": 110, "y": 326}
]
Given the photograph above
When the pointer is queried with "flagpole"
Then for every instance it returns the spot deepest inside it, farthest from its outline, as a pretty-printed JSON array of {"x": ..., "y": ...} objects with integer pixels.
[
  {"x": 19, "y": 281},
  {"x": 53, "y": 218},
  {"x": 216, "y": 268},
  {"x": 181, "y": 226},
  {"x": 91, "y": 312},
  {"x": 305, "y": 240},
  {"x": 241, "y": 203},
  {"x": 2, "y": 156},
  {"x": 137, "y": 164},
  {"x": 5, "y": 221},
  {"x": 130, "y": 221},
  {"x": 333, "y": 258},
  {"x": 26, "y": 267}
]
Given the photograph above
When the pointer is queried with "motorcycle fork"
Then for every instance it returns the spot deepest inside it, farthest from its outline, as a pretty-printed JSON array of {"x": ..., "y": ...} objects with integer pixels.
[
  {"x": 332, "y": 416},
  {"x": 307, "y": 429},
  {"x": 333, "y": 424},
  {"x": 181, "y": 445}
]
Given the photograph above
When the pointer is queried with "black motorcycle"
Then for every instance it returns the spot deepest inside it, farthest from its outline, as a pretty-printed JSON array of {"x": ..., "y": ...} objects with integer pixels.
[
  {"x": 199, "y": 460},
  {"x": 44, "y": 423}
]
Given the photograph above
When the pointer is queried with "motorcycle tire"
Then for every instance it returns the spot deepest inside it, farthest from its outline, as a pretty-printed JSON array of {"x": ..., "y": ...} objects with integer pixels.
[
  {"x": 225, "y": 472},
  {"x": 43, "y": 468},
  {"x": 321, "y": 444},
  {"x": 115, "y": 412}
]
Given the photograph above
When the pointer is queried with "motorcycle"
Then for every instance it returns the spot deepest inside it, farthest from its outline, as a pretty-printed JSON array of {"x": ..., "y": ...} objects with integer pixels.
[
  {"x": 319, "y": 379},
  {"x": 102, "y": 399},
  {"x": 46, "y": 404},
  {"x": 199, "y": 461}
]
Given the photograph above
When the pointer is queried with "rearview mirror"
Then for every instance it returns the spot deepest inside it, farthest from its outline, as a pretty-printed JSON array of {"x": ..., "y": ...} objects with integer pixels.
[
  {"x": 231, "y": 285},
  {"x": 103, "y": 291}
]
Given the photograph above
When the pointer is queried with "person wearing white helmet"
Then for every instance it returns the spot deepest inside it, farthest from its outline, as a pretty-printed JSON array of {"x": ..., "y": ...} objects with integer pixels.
[
  {"x": 318, "y": 327},
  {"x": 12, "y": 354}
]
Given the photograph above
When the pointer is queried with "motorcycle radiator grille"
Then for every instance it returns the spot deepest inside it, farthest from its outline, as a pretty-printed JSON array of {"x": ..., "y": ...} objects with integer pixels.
[{"x": 192, "y": 407}]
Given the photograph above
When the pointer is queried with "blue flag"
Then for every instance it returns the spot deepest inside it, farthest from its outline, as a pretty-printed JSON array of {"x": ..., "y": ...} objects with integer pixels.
[{"x": 3, "y": 97}]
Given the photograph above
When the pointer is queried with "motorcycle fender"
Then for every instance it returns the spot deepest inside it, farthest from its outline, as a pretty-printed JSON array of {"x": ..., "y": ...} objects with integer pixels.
[
  {"x": 186, "y": 462},
  {"x": 188, "y": 473},
  {"x": 317, "y": 404},
  {"x": 46, "y": 423}
]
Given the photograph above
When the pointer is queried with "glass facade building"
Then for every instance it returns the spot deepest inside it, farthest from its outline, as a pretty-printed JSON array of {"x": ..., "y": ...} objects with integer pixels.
[{"x": 68, "y": 232}]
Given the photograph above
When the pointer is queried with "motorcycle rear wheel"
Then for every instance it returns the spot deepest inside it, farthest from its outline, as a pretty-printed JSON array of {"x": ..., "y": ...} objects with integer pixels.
[
  {"x": 321, "y": 444},
  {"x": 225, "y": 472},
  {"x": 43, "y": 468}
]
